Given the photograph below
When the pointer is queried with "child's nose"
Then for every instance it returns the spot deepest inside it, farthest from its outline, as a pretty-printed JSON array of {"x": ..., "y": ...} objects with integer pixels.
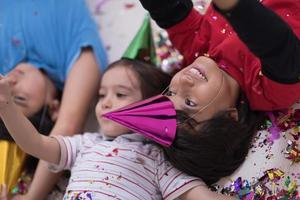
[
  {"x": 12, "y": 80},
  {"x": 106, "y": 104}
]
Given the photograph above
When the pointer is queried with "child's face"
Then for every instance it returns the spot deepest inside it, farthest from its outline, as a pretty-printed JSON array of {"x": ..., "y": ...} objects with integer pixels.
[
  {"x": 203, "y": 86},
  {"x": 31, "y": 88},
  {"x": 119, "y": 88}
]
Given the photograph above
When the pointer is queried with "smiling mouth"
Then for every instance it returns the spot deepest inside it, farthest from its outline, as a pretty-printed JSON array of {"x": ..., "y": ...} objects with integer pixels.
[{"x": 198, "y": 73}]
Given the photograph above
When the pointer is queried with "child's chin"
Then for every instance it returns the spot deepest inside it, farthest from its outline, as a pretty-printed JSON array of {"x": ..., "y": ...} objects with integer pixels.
[{"x": 113, "y": 131}]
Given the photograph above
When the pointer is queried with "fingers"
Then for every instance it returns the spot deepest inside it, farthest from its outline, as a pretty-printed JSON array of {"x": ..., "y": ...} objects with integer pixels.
[{"x": 3, "y": 192}]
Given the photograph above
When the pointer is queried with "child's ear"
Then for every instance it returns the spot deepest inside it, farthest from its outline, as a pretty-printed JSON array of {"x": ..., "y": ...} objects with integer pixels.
[
  {"x": 54, "y": 107},
  {"x": 233, "y": 113}
]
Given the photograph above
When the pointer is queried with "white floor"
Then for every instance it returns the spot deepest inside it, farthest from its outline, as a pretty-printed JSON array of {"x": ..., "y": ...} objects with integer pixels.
[{"x": 118, "y": 22}]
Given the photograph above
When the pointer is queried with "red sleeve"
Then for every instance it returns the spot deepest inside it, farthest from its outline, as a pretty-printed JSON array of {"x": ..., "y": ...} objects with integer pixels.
[
  {"x": 197, "y": 34},
  {"x": 186, "y": 36}
]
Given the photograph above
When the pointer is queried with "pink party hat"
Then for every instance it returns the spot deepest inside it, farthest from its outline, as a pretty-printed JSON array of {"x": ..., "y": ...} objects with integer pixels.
[{"x": 155, "y": 118}]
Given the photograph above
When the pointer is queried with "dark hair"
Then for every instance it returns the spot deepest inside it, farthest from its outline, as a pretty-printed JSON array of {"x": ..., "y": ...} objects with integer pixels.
[
  {"x": 42, "y": 122},
  {"x": 214, "y": 148},
  {"x": 152, "y": 80}
]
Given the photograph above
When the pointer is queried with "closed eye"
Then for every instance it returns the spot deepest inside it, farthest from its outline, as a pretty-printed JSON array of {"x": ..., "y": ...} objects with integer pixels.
[
  {"x": 19, "y": 100},
  {"x": 121, "y": 95}
]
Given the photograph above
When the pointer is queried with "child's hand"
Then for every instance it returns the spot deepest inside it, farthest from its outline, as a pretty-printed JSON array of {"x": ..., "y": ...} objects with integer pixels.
[
  {"x": 3, "y": 192},
  {"x": 18, "y": 197},
  {"x": 5, "y": 92}
]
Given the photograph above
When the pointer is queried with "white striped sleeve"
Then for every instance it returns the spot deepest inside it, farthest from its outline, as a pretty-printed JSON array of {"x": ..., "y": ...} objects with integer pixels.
[
  {"x": 69, "y": 147},
  {"x": 173, "y": 182}
]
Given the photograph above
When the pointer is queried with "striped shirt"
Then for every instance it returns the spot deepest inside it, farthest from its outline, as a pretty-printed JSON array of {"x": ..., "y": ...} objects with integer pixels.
[{"x": 128, "y": 167}]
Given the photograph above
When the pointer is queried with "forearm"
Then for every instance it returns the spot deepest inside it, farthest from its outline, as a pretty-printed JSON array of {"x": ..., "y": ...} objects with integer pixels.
[
  {"x": 42, "y": 183},
  {"x": 80, "y": 88},
  {"x": 27, "y": 137},
  {"x": 267, "y": 36}
]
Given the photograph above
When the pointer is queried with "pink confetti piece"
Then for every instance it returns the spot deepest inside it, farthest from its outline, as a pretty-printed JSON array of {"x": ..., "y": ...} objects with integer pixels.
[{"x": 99, "y": 5}]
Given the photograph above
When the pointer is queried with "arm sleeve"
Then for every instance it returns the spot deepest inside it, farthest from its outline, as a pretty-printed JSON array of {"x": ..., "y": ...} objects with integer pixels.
[
  {"x": 191, "y": 36},
  {"x": 82, "y": 32},
  {"x": 269, "y": 37},
  {"x": 69, "y": 148},
  {"x": 172, "y": 182}
]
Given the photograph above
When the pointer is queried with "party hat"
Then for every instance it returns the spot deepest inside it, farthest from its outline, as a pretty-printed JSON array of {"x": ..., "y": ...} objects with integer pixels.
[
  {"x": 142, "y": 45},
  {"x": 155, "y": 118}
]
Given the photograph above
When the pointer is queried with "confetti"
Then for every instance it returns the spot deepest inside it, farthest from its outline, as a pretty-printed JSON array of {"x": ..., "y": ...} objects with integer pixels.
[
  {"x": 292, "y": 152},
  {"x": 264, "y": 188},
  {"x": 99, "y": 5},
  {"x": 168, "y": 57},
  {"x": 129, "y": 5}
]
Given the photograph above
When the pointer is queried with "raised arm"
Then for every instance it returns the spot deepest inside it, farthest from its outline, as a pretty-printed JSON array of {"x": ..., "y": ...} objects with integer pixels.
[
  {"x": 267, "y": 35},
  {"x": 23, "y": 132},
  {"x": 81, "y": 86}
]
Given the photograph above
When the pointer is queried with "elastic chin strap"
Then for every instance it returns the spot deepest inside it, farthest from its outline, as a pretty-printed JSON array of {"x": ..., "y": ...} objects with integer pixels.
[{"x": 207, "y": 105}]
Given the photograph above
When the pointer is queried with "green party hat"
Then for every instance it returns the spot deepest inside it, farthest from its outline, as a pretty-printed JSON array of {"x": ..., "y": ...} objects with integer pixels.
[{"x": 142, "y": 45}]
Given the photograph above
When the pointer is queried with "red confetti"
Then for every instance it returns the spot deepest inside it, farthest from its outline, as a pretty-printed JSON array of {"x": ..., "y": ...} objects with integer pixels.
[
  {"x": 115, "y": 151},
  {"x": 129, "y": 5}
]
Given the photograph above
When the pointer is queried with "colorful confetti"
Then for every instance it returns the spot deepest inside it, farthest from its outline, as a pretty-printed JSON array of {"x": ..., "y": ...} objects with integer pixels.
[
  {"x": 273, "y": 185},
  {"x": 292, "y": 152},
  {"x": 99, "y": 5},
  {"x": 22, "y": 184},
  {"x": 168, "y": 57},
  {"x": 129, "y": 5}
]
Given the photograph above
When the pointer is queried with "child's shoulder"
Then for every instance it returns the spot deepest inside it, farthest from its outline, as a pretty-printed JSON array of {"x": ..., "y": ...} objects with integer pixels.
[{"x": 87, "y": 137}]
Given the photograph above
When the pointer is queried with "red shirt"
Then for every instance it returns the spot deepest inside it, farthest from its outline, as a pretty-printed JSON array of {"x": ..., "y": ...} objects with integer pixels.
[{"x": 211, "y": 34}]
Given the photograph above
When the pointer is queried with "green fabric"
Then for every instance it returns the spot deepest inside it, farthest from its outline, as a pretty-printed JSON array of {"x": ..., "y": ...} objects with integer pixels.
[{"x": 142, "y": 45}]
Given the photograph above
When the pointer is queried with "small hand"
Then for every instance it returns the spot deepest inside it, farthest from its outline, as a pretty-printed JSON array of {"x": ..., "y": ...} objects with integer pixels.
[
  {"x": 18, "y": 197},
  {"x": 3, "y": 192},
  {"x": 5, "y": 92}
]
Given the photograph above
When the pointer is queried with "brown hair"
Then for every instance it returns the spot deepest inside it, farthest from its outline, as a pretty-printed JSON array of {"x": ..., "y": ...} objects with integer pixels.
[
  {"x": 215, "y": 148},
  {"x": 152, "y": 80}
]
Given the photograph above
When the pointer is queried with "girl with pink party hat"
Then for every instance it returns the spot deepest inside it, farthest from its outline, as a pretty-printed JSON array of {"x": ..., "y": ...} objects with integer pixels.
[
  {"x": 115, "y": 163},
  {"x": 243, "y": 58}
]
